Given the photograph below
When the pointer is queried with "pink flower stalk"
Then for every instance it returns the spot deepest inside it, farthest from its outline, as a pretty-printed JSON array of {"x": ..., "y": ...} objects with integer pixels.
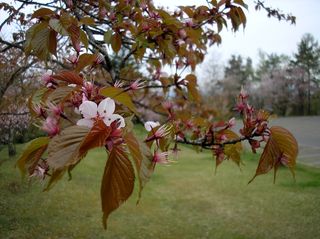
[
  {"x": 182, "y": 33},
  {"x": 102, "y": 12},
  {"x": 144, "y": 6},
  {"x": 87, "y": 88},
  {"x": 39, "y": 110},
  {"x": 161, "y": 158},
  {"x": 222, "y": 137},
  {"x": 231, "y": 122},
  {"x": 180, "y": 42},
  {"x": 47, "y": 79},
  {"x": 189, "y": 124},
  {"x": 73, "y": 59},
  {"x": 189, "y": 23},
  {"x": 55, "y": 109},
  {"x": 168, "y": 105},
  {"x": 243, "y": 94},
  {"x": 99, "y": 59},
  {"x": 284, "y": 160},
  {"x": 40, "y": 171},
  {"x": 51, "y": 126},
  {"x": 162, "y": 132},
  {"x": 138, "y": 84},
  {"x": 69, "y": 3},
  {"x": 240, "y": 107},
  {"x": 118, "y": 84},
  {"x": 77, "y": 46}
]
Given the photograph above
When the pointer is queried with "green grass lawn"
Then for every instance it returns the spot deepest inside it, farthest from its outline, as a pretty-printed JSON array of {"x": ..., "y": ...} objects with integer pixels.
[{"x": 183, "y": 200}]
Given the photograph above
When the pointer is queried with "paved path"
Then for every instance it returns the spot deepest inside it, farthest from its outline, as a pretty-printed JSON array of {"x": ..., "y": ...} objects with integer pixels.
[{"x": 306, "y": 129}]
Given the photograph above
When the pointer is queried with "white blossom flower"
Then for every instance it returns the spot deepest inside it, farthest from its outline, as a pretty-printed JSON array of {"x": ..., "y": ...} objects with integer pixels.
[
  {"x": 90, "y": 112},
  {"x": 149, "y": 125}
]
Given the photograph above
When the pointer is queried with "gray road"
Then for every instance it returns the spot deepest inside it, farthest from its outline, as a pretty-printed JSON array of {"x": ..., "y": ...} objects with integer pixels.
[{"x": 306, "y": 129}]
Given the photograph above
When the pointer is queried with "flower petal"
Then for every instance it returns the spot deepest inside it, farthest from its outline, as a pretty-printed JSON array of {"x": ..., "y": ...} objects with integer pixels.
[
  {"x": 108, "y": 120},
  {"x": 85, "y": 122},
  {"x": 149, "y": 125},
  {"x": 88, "y": 109},
  {"x": 106, "y": 107}
]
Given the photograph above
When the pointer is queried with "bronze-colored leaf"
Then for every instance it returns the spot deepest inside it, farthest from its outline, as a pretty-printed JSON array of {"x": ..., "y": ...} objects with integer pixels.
[
  {"x": 32, "y": 154},
  {"x": 63, "y": 149},
  {"x": 192, "y": 87},
  {"x": 52, "y": 42},
  {"x": 116, "y": 42},
  {"x": 85, "y": 60},
  {"x": 281, "y": 148},
  {"x": 69, "y": 77},
  {"x": 60, "y": 94},
  {"x": 117, "y": 182},
  {"x": 42, "y": 12},
  {"x": 142, "y": 157},
  {"x": 95, "y": 138}
]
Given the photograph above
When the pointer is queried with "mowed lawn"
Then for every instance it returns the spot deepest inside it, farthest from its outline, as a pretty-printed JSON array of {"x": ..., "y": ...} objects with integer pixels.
[{"x": 183, "y": 200}]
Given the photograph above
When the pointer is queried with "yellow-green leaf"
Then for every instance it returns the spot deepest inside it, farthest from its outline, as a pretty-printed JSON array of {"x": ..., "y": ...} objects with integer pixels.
[
  {"x": 119, "y": 95},
  {"x": 87, "y": 21},
  {"x": 31, "y": 155}
]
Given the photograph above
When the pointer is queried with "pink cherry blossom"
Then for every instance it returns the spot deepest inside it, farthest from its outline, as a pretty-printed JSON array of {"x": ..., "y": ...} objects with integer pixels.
[
  {"x": 149, "y": 125},
  {"x": 105, "y": 111},
  {"x": 51, "y": 126},
  {"x": 160, "y": 157}
]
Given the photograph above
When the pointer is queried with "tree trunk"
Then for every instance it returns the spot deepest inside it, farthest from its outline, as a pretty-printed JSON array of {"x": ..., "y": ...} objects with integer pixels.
[
  {"x": 309, "y": 94},
  {"x": 11, "y": 147}
]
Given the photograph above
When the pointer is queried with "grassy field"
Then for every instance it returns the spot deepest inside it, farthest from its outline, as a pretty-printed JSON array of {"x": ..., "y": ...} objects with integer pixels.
[{"x": 183, "y": 200}]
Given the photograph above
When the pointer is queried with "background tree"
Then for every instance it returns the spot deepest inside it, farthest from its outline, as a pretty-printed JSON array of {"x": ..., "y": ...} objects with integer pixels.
[{"x": 308, "y": 59}]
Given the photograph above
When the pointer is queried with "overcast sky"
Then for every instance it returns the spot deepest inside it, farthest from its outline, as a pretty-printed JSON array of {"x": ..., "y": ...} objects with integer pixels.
[{"x": 264, "y": 33}]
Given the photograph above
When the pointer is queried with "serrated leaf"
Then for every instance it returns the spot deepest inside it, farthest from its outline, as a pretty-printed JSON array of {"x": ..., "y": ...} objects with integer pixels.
[
  {"x": 119, "y": 95},
  {"x": 142, "y": 158},
  {"x": 117, "y": 182},
  {"x": 60, "y": 94},
  {"x": 69, "y": 77},
  {"x": 95, "y": 138},
  {"x": 281, "y": 145},
  {"x": 192, "y": 87},
  {"x": 37, "y": 41},
  {"x": 42, "y": 12},
  {"x": 63, "y": 149},
  {"x": 85, "y": 59},
  {"x": 56, "y": 25},
  {"x": 37, "y": 98},
  {"x": 116, "y": 42},
  {"x": 32, "y": 154}
]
